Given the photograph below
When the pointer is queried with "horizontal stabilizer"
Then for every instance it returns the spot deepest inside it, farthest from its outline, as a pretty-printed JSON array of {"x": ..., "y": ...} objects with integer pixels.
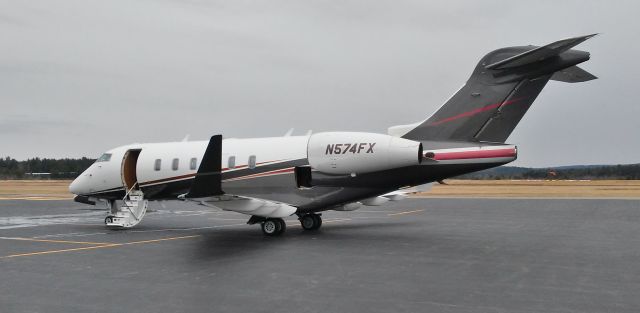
[
  {"x": 573, "y": 74},
  {"x": 208, "y": 180},
  {"x": 539, "y": 54}
]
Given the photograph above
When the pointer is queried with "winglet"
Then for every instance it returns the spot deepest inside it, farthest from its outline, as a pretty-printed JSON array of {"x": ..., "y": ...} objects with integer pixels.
[{"x": 208, "y": 180}]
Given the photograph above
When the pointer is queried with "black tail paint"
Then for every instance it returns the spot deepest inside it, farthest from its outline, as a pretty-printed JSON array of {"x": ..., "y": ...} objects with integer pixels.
[
  {"x": 501, "y": 89},
  {"x": 208, "y": 180}
]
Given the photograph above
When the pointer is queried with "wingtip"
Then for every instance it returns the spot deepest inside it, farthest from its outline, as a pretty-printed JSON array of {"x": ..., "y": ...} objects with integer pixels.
[{"x": 587, "y": 37}]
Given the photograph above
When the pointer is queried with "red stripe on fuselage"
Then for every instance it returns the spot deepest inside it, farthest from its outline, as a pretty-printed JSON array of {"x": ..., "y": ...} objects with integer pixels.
[
  {"x": 224, "y": 170},
  {"x": 275, "y": 172},
  {"x": 477, "y": 154},
  {"x": 167, "y": 179}
]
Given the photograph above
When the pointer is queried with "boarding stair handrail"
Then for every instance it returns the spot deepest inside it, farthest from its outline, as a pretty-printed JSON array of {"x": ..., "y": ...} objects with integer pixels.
[{"x": 125, "y": 199}]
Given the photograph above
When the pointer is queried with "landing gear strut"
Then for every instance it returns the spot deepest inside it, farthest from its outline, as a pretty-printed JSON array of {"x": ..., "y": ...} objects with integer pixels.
[
  {"x": 310, "y": 221},
  {"x": 273, "y": 226}
]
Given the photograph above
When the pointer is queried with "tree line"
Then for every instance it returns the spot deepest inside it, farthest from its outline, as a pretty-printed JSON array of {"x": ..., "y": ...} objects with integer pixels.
[
  {"x": 38, "y": 168},
  {"x": 592, "y": 172}
]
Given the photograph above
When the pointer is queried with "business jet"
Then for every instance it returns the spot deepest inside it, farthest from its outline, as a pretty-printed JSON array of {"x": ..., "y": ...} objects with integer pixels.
[{"x": 273, "y": 178}]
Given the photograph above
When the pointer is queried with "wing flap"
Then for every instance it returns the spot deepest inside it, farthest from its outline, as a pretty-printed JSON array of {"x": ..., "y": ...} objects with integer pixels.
[{"x": 250, "y": 206}]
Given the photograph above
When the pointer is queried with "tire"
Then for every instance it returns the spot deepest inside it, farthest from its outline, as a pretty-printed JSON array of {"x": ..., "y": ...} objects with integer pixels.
[
  {"x": 317, "y": 221},
  {"x": 308, "y": 222},
  {"x": 270, "y": 227},
  {"x": 283, "y": 226}
]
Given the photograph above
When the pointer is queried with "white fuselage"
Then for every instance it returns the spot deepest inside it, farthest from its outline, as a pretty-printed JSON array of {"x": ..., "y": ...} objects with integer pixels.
[
  {"x": 104, "y": 176},
  {"x": 306, "y": 173}
]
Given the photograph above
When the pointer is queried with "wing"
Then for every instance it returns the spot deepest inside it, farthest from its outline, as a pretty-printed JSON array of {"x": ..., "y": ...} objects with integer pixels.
[
  {"x": 247, "y": 205},
  {"x": 207, "y": 189},
  {"x": 402, "y": 193}
]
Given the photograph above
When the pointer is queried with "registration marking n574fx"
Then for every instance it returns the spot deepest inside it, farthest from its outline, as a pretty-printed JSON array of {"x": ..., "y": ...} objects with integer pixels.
[{"x": 343, "y": 148}]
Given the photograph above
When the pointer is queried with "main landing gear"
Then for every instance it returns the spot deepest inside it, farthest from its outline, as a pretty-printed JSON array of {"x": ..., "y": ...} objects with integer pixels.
[
  {"x": 270, "y": 226},
  {"x": 277, "y": 226},
  {"x": 310, "y": 221},
  {"x": 273, "y": 226}
]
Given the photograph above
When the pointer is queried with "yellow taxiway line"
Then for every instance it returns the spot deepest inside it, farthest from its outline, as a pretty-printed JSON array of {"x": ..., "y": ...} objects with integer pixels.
[
  {"x": 100, "y": 245},
  {"x": 35, "y": 198},
  {"x": 57, "y": 251},
  {"x": 106, "y": 245},
  {"x": 337, "y": 220},
  {"x": 56, "y": 241},
  {"x": 157, "y": 240},
  {"x": 406, "y": 212}
]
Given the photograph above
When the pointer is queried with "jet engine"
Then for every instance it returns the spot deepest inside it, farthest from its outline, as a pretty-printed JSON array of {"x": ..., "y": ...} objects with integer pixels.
[{"x": 352, "y": 153}]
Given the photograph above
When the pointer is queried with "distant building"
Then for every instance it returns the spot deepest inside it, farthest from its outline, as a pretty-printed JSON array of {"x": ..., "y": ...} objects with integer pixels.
[{"x": 39, "y": 175}]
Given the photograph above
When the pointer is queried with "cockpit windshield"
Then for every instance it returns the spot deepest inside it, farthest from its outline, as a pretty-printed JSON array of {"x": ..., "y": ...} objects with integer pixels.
[{"x": 104, "y": 158}]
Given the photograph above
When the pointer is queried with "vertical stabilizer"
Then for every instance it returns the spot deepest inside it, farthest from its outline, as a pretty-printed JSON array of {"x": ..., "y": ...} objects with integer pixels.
[{"x": 499, "y": 92}]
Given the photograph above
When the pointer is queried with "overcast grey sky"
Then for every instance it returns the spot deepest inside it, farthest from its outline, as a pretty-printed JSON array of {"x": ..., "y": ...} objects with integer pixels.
[{"x": 80, "y": 77}]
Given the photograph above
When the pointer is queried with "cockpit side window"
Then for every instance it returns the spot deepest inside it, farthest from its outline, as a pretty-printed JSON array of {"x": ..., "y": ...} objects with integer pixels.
[{"x": 104, "y": 158}]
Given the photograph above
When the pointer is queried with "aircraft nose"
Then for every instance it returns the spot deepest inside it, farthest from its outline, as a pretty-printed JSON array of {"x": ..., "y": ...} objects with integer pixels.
[
  {"x": 74, "y": 187},
  {"x": 79, "y": 185}
]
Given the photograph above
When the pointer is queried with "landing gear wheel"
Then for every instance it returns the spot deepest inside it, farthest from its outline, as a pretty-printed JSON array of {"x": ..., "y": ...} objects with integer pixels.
[
  {"x": 283, "y": 226},
  {"x": 311, "y": 221},
  {"x": 273, "y": 226},
  {"x": 108, "y": 220},
  {"x": 318, "y": 221},
  {"x": 307, "y": 222}
]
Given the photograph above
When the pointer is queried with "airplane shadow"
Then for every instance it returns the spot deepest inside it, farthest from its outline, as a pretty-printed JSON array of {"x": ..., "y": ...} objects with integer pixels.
[{"x": 231, "y": 243}]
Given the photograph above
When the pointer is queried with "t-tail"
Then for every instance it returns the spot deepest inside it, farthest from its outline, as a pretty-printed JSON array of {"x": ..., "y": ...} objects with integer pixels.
[{"x": 501, "y": 89}]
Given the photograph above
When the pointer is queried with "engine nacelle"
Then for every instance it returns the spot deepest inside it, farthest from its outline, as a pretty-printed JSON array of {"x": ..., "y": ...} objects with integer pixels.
[{"x": 346, "y": 153}]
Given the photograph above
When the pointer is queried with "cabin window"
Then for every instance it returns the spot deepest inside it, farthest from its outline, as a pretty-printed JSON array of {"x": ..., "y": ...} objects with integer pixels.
[
  {"x": 104, "y": 158},
  {"x": 252, "y": 162},
  {"x": 174, "y": 164},
  {"x": 193, "y": 164},
  {"x": 232, "y": 162},
  {"x": 157, "y": 164}
]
